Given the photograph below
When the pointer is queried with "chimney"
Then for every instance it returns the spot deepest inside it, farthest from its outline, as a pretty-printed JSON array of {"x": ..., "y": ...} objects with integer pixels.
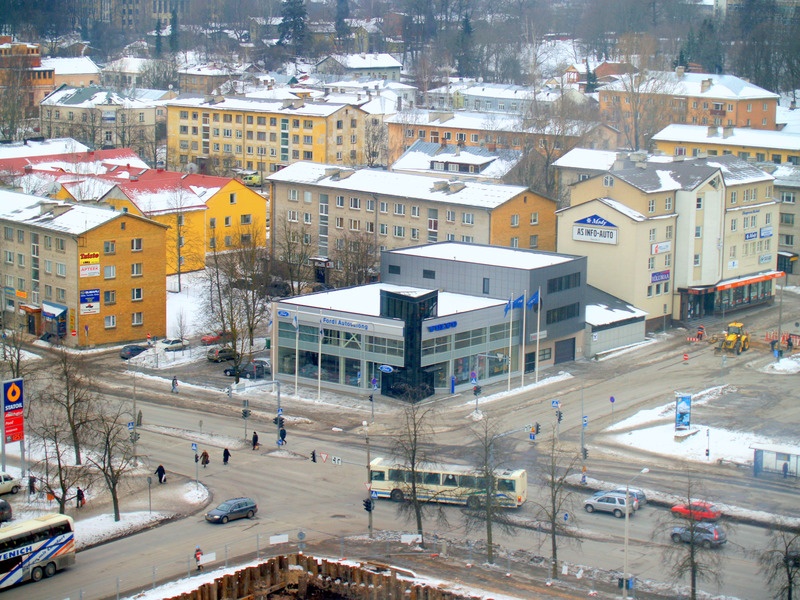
[
  {"x": 439, "y": 186},
  {"x": 332, "y": 171},
  {"x": 712, "y": 131},
  {"x": 727, "y": 131},
  {"x": 705, "y": 85},
  {"x": 457, "y": 186},
  {"x": 680, "y": 70}
]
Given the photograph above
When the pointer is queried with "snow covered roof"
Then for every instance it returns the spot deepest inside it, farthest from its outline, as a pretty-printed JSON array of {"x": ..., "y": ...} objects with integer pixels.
[
  {"x": 700, "y": 85},
  {"x": 80, "y": 65},
  {"x": 127, "y": 64},
  {"x": 31, "y": 210},
  {"x": 493, "y": 164},
  {"x": 604, "y": 309},
  {"x": 479, "y": 254},
  {"x": 366, "y": 61},
  {"x": 584, "y": 158},
  {"x": 735, "y": 136},
  {"x": 32, "y": 148},
  {"x": 786, "y": 175},
  {"x": 458, "y": 120},
  {"x": 91, "y": 97},
  {"x": 365, "y": 300},
  {"x": 385, "y": 183},
  {"x": 257, "y": 105}
]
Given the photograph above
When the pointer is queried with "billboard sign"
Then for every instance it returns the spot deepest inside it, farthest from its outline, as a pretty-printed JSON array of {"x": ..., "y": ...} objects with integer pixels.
[
  {"x": 683, "y": 411},
  {"x": 13, "y": 415}
]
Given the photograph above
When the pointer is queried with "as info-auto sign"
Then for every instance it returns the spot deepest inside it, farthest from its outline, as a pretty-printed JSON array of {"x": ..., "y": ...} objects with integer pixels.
[{"x": 13, "y": 404}]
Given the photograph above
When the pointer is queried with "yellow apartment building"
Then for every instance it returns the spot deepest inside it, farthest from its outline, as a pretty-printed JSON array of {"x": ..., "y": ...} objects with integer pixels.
[
  {"x": 85, "y": 275},
  {"x": 220, "y": 134}
]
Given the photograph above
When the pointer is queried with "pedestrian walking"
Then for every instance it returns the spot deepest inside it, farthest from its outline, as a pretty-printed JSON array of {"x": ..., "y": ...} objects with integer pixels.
[
  {"x": 31, "y": 485},
  {"x": 198, "y": 554},
  {"x": 204, "y": 459},
  {"x": 226, "y": 456},
  {"x": 175, "y": 385},
  {"x": 255, "y": 440},
  {"x": 789, "y": 344},
  {"x": 81, "y": 498},
  {"x": 786, "y": 470},
  {"x": 162, "y": 474}
]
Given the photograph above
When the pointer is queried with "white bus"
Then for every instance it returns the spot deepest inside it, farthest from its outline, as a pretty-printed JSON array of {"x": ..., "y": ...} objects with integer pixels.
[
  {"x": 36, "y": 548},
  {"x": 451, "y": 484}
]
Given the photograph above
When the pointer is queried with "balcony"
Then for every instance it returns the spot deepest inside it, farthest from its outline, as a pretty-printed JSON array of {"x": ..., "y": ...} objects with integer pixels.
[{"x": 717, "y": 112}]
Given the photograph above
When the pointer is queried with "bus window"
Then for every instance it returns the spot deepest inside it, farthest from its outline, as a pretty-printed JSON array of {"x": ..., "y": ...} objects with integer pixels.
[
  {"x": 480, "y": 483},
  {"x": 377, "y": 475},
  {"x": 450, "y": 480},
  {"x": 397, "y": 475},
  {"x": 505, "y": 485},
  {"x": 430, "y": 478},
  {"x": 467, "y": 481}
]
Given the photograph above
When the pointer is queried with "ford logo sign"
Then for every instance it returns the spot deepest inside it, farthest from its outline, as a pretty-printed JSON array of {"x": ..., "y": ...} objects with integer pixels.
[
  {"x": 283, "y": 313},
  {"x": 385, "y": 369}
]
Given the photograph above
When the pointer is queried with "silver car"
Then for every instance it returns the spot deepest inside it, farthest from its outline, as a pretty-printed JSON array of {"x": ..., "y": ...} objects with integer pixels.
[{"x": 612, "y": 502}]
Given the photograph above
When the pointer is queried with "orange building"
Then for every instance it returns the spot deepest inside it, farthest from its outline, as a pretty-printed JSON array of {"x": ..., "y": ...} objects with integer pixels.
[{"x": 21, "y": 69}]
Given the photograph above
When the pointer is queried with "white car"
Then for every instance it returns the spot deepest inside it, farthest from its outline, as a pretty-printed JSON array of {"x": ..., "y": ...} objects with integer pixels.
[
  {"x": 9, "y": 483},
  {"x": 173, "y": 345}
]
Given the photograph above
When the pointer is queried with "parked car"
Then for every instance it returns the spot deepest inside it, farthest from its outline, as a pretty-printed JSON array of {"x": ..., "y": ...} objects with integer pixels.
[
  {"x": 251, "y": 370},
  {"x": 697, "y": 510},
  {"x": 9, "y": 483},
  {"x": 222, "y": 354},
  {"x": 634, "y": 492},
  {"x": 235, "y": 508},
  {"x": 5, "y": 511},
  {"x": 218, "y": 337},
  {"x": 173, "y": 345},
  {"x": 707, "y": 535},
  {"x": 264, "y": 362},
  {"x": 610, "y": 502},
  {"x": 131, "y": 350}
]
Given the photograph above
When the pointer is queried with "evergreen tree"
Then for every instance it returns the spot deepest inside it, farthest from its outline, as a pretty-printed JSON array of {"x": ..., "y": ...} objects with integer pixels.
[
  {"x": 158, "y": 38},
  {"x": 293, "y": 29},
  {"x": 342, "y": 28},
  {"x": 465, "y": 60},
  {"x": 591, "y": 79},
  {"x": 174, "y": 45}
]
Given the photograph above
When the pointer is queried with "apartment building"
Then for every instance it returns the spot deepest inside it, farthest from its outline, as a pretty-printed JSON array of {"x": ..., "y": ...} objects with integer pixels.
[
  {"x": 219, "y": 134},
  {"x": 76, "y": 71},
  {"x": 787, "y": 193},
  {"x": 22, "y": 73},
  {"x": 681, "y": 239},
  {"x": 84, "y": 275}
]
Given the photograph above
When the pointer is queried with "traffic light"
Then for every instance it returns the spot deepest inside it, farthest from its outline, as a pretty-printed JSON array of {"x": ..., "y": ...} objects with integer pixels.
[
  {"x": 371, "y": 399},
  {"x": 196, "y": 458},
  {"x": 278, "y": 421},
  {"x": 559, "y": 415},
  {"x": 707, "y": 452},
  {"x": 134, "y": 437},
  {"x": 368, "y": 504},
  {"x": 313, "y": 456},
  {"x": 245, "y": 413},
  {"x": 538, "y": 428},
  {"x": 585, "y": 453},
  {"x": 477, "y": 390}
]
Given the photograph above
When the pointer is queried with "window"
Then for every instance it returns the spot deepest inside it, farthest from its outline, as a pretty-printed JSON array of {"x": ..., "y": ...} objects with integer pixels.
[
  {"x": 698, "y": 204},
  {"x": 109, "y": 247},
  {"x": 109, "y": 297},
  {"x": 370, "y": 205},
  {"x": 534, "y": 218},
  {"x": 733, "y": 224},
  {"x": 61, "y": 245},
  {"x": 293, "y": 197},
  {"x": 696, "y": 260},
  {"x": 414, "y": 233},
  {"x": 651, "y": 206},
  {"x": 9, "y": 257},
  {"x": 246, "y": 219},
  {"x": 48, "y": 242},
  {"x": 399, "y": 231},
  {"x": 468, "y": 218},
  {"x": 733, "y": 197},
  {"x": 399, "y": 209},
  {"x": 787, "y": 219},
  {"x": 698, "y": 231},
  {"x": 20, "y": 236},
  {"x": 136, "y": 295},
  {"x": 451, "y": 216},
  {"x": 394, "y": 269},
  {"x": 292, "y": 216},
  {"x": 428, "y": 274},
  {"x": 136, "y": 245},
  {"x": 383, "y": 229},
  {"x": 485, "y": 285},
  {"x": 384, "y": 207},
  {"x": 109, "y": 272},
  {"x": 136, "y": 269},
  {"x": 668, "y": 260},
  {"x": 8, "y": 234},
  {"x": 668, "y": 203},
  {"x": 534, "y": 241},
  {"x": 307, "y": 218},
  {"x": 467, "y": 239},
  {"x": 786, "y": 197},
  {"x": 355, "y": 224},
  {"x": 514, "y": 242},
  {"x": 608, "y": 181},
  {"x": 652, "y": 235},
  {"x": 563, "y": 313},
  {"x": 339, "y": 222},
  {"x": 61, "y": 269},
  {"x": 355, "y": 203},
  {"x": 515, "y": 220},
  {"x": 415, "y": 211},
  {"x": 110, "y": 321},
  {"x": 651, "y": 263}
]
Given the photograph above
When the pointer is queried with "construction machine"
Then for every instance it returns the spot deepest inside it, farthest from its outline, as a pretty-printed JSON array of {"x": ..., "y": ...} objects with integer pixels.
[{"x": 735, "y": 339}]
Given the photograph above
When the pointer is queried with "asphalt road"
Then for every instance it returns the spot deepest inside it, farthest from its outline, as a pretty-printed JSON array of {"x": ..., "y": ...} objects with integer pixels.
[{"x": 324, "y": 500}]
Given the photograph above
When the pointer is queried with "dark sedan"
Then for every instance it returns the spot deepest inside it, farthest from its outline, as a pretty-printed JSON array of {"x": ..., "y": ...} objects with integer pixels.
[{"x": 131, "y": 350}]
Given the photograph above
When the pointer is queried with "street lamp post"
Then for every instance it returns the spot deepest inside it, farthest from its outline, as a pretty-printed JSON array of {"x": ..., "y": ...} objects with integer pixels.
[
  {"x": 780, "y": 314},
  {"x": 627, "y": 528},
  {"x": 369, "y": 479}
]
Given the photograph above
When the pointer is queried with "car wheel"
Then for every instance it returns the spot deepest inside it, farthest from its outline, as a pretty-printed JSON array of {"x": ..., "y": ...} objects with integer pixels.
[
  {"x": 50, "y": 569},
  {"x": 397, "y": 496},
  {"x": 676, "y": 537},
  {"x": 706, "y": 544},
  {"x": 15, "y": 489},
  {"x": 223, "y": 520},
  {"x": 589, "y": 508},
  {"x": 37, "y": 574},
  {"x": 227, "y": 372},
  {"x": 250, "y": 514},
  {"x": 248, "y": 376},
  {"x": 618, "y": 513}
]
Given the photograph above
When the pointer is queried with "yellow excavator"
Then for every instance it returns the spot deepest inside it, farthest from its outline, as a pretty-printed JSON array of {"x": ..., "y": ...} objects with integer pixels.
[{"x": 736, "y": 339}]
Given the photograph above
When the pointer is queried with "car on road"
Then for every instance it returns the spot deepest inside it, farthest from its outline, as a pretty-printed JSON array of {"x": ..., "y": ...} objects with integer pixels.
[
  {"x": 173, "y": 344},
  {"x": 218, "y": 337},
  {"x": 5, "y": 511},
  {"x": 707, "y": 535},
  {"x": 610, "y": 502},
  {"x": 9, "y": 483},
  {"x": 634, "y": 492},
  {"x": 235, "y": 508},
  {"x": 251, "y": 370},
  {"x": 264, "y": 362},
  {"x": 697, "y": 510},
  {"x": 131, "y": 350},
  {"x": 222, "y": 354}
]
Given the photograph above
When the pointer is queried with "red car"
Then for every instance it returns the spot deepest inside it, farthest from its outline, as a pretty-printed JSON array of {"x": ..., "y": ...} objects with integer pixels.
[
  {"x": 218, "y": 337},
  {"x": 697, "y": 510}
]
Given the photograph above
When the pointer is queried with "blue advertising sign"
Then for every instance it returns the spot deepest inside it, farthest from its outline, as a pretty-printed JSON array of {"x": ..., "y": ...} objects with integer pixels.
[
  {"x": 283, "y": 313},
  {"x": 596, "y": 220},
  {"x": 386, "y": 369},
  {"x": 683, "y": 411},
  {"x": 659, "y": 276},
  {"x": 90, "y": 295}
]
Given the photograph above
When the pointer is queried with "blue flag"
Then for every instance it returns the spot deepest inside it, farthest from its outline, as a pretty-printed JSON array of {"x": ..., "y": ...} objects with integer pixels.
[
  {"x": 519, "y": 302},
  {"x": 507, "y": 308},
  {"x": 534, "y": 300}
]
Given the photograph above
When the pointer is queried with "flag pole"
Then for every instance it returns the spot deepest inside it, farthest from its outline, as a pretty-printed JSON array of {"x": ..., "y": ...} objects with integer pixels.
[
  {"x": 510, "y": 330},
  {"x": 319, "y": 358},
  {"x": 524, "y": 335},
  {"x": 296, "y": 350},
  {"x": 538, "y": 323}
]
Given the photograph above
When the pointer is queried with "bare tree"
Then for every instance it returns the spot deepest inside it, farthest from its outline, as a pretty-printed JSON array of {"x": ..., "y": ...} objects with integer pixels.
[
  {"x": 556, "y": 465},
  {"x": 294, "y": 247},
  {"x": 356, "y": 255},
  {"x": 181, "y": 248},
  {"x": 413, "y": 446},
  {"x": 780, "y": 560},
  {"x": 12, "y": 344},
  {"x": 15, "y": 94},
  {"x": 113, "y": 453},
  {"x": 376, "y": 142}
]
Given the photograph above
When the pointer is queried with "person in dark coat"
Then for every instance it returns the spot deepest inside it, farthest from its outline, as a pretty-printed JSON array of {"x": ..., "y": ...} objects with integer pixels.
[
  {"x": 162, "y": 474},
  {"x": 81, "y": 498},
  {"x": 31, "y": 485},
  {"x": 175, "y": 385},
  {"x": 786, "y": 470},
  {"x": 255, "y": 440},
  {"x": 226, "y": 456},
  {"x": 204, "y": 459}
]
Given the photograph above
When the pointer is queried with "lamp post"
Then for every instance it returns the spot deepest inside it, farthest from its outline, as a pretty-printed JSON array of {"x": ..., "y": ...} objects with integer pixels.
[
  {"x": 627, "y": 526},
  {"x": 369, "y": 478},
  {"x": 780, "y": 314}
]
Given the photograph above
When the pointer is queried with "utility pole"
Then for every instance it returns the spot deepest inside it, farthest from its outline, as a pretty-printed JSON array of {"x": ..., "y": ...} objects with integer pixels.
[{"x": 369, "y": 504}]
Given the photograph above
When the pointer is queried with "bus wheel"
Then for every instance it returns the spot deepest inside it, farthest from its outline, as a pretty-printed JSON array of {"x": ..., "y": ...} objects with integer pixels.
[
  {"x": 473, "y": 503},
  {"x": 37, "y": 574},
  {"x": 50, "y": 569},
  {"x": 397, "y": 496}
]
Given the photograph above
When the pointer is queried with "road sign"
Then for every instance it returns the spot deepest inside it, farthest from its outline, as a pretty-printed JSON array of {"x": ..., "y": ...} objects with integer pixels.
[
  {"x": 473, "y": 375},
  {"x": 473, "y": 381},
  {"x": 585, "y": 421},
  {"x": 685, "y": 357},
  {"x": 368, "y": 486},
  {"x": 337, "y": 460},
  {"x": 532, "y": 437},
  {"x": 130, "y": 425},
  {"x": 612, "y": 399},
  {"x": 323, "y": 456},
  {"x": 374, "y": 495},
  {"x": 194, "y": 447},
  {"x": 280, "y": 411},
  {"x": 566, "y": 517},
  {"x": 555, "y": 403},
  {"x": 280, "y": 442}
]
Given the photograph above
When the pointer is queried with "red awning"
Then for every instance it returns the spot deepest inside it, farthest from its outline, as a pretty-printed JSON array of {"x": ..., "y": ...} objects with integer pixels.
[{"x": 733, "y": 283}]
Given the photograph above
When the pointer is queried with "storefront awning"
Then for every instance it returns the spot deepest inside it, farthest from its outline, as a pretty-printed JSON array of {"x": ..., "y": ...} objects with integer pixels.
[
  {"x": 52, "y": 310},
  {"x": 31, "y": 310},
  {"x": 740, "y": 281},
  {"x": 787, "y": 254}
]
